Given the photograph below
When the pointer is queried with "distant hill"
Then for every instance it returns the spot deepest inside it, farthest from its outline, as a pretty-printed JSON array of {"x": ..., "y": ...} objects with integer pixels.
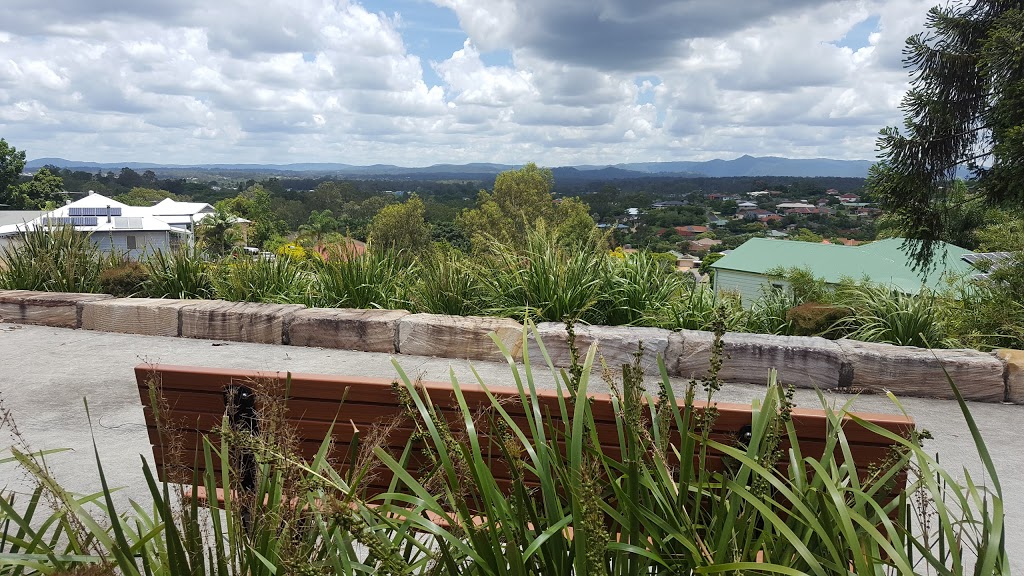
[
  {"x": 742, "y": 166},
  {"x": 759, "y": 166}
]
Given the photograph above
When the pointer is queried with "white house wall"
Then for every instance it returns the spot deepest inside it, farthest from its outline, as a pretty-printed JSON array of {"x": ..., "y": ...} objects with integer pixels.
[
  {"x": 145, "y": 242},
  {"x": 749, "y": 286}
]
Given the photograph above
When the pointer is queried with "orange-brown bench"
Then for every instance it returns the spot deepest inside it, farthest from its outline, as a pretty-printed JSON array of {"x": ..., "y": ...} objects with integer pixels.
[{"x": 194, "y": 402}]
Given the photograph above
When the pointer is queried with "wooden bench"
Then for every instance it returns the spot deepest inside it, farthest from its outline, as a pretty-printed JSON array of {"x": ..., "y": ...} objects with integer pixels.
[{"x": 194, "y": 403}]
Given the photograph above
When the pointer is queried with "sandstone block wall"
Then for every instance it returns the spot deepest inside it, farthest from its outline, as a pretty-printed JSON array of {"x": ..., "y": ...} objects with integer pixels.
[
  {"x": 616, "y": 345},
  {"x": 60, "y": 309},
  {"x": 148, "y": 316},
  {"x": 801, "y": 361},
  {"x": 346, "y": 329},
  {"x": 237, "y": 321},
  {"x": 462, "y": 337}
]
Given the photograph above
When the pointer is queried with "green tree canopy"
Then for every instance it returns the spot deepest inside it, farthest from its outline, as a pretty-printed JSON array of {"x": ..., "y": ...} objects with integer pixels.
[
  {"x": 401, "y": 227},
  {"x": 12, "y": 162},
  {"x": 254, "y": 204},
  {"x": 519, "y": 200},
  {"x": 43, "y": 191},
  {"x": 963, "y": 113},
  {"x": 139, "y": 196}
]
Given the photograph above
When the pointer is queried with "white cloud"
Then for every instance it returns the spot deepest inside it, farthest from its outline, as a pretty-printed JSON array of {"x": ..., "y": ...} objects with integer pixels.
[{"x": 326, "y": 80}]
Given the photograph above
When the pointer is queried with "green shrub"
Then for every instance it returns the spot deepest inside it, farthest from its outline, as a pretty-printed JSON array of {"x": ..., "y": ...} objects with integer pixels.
[
  {"x": 883, "y": 314},
  {"x": 446, "y": 283},
  {"x": 815, "y": 318},
  {"x": 182, "y": 274},
  {"x": 372, "y": 279},
  {"x": 123, "y": 279},
  {"x": 546, "y": 282},
  {"x": 54, "y": 259},
  {"x": 639, "y": 287},
  {"x": 246, "y": 279}
]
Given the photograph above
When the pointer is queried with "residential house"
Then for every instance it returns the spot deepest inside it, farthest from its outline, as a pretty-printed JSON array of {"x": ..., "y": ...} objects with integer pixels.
[
  {"x": 848, "y": 198},
  {"x": 688, "y": 231},
  {"x": 668, "y": 204},
  {"x": 685, "y": 262},
  {"x": 808, "y": 210},
  {"x": 792, "y": 205},
  {"x": 112, "y": 226},
  {"x": 181, "y": 214},
  {"x": 703, "y": 245},
  {"x": 746, "y": 269},
  {"x": 758, "y": 214}
]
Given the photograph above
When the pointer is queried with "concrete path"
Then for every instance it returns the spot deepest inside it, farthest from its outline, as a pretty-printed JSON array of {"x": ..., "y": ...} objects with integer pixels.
[{"x": 46, "y": 372}]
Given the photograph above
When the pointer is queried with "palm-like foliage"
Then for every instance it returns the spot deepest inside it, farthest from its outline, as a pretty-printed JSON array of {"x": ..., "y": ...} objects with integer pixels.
[
  {"x": 320, "y": 224},
  {"x": 218, "y": 233}
]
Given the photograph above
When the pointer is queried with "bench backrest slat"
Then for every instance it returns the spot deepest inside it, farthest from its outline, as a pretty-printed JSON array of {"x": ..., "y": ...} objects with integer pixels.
[{"x": 194, "y": 399}]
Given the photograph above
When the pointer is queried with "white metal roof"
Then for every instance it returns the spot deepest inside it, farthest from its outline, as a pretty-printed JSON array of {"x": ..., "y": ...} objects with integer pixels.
[{"x": 168, "y": 207}]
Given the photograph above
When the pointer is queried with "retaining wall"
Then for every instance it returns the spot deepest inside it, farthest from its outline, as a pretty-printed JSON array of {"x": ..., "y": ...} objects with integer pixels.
[{"x": 802, "y": 361}]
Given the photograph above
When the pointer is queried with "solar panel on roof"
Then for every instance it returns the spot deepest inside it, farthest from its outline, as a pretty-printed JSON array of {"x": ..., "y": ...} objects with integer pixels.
[
  {"x": 73, "y": 221},
  {"x": 993, "y": 257},
  {"x": 94, "y": 211}
]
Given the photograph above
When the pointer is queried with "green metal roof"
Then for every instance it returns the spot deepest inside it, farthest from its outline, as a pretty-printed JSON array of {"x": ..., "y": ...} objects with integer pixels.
[{"x": 883, "y": 262}]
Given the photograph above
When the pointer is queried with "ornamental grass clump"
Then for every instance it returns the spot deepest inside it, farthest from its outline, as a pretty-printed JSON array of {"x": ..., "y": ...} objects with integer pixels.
[
  {"x": 245, "y": 279},
  {"x": 546, "y": 281},
  {"x": 883, "y": 314},
  {"x": 52, "y": 259},
  {"x": 448, "y": 283},
  {"x": 639, "y": 289},
  {"x": 184, "y": 274},
  {"x": 371, "y": 279}
]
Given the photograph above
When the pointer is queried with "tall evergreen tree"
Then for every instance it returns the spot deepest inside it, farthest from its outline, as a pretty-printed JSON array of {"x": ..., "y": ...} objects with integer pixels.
[{"x": 964, "y": 114}]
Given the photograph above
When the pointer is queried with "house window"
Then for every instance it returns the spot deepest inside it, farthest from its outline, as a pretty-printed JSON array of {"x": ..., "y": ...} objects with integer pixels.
[{"x": 132, "y": 244}]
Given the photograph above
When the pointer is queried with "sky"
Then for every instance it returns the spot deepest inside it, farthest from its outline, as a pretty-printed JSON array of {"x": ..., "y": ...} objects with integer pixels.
[{"x": 418, "y": 82}]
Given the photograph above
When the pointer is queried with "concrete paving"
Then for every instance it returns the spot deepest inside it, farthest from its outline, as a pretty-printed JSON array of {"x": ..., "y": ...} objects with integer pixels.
[{"x": 46, "y": 372}]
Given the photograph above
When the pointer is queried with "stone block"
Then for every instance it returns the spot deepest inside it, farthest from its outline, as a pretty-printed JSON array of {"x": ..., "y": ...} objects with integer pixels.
[
  {"x": 803, "y": 361},
  {"x": 237, "y": 321},
  {"x": 909, "y": 371},
  {"x": 60, "y": 309},
  {"x": 346, "y": 329},
  {"x": 615, "y": 344},
  {"x": 149, "y": 316},
  {"x": 1014, "y": 373},
  {"x": 462, "y": 337}
]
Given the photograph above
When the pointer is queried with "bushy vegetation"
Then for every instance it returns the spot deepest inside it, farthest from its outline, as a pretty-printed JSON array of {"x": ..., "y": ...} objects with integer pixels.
[
  {"x": 580, "y": 509},
  {"x": 543, "y": 278},
  {"x": 53, "y": 259}
]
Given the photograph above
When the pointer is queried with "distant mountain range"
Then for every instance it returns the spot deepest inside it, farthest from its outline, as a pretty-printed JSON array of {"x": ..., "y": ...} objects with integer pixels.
[{"x": 742, "y": 166}]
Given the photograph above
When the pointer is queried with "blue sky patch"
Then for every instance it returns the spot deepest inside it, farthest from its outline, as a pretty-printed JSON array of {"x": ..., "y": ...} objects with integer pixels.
[{"x": 857, "y": 37}]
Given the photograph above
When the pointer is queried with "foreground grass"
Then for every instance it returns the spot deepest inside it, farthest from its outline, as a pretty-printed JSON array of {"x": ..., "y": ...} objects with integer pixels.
[{"x": 582, "y": 512}]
